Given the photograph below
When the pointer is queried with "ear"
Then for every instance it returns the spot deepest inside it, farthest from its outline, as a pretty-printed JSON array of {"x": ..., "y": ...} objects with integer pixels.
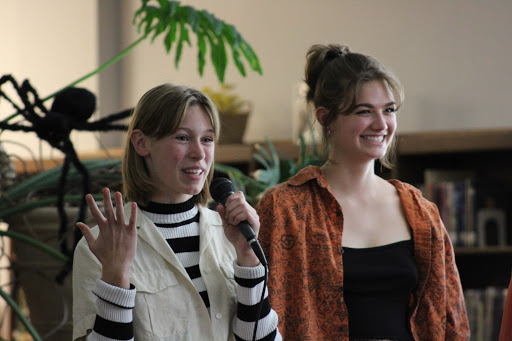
[
  {"x": 139, "y": 142},
  {"x": 321, "y": 114}
]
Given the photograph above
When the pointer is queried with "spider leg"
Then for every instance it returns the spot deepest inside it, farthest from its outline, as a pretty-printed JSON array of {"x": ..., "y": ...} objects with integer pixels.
[
  {"x": 9, "y": 78},
  {"x": 104, "y": 124},
  {"x": 15, "y": 127},
  {"x": 27, "y": 89},
  {"x": 60, "y": 206},
  {"x": 71, "y": 158}
]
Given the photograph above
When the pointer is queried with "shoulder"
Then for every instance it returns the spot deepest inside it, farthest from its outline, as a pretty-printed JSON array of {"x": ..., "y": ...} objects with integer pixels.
[
  {"x": 411, "y": 194},
  {"x": 298, "y": 186},
  {"x": 421, "y": 213}
]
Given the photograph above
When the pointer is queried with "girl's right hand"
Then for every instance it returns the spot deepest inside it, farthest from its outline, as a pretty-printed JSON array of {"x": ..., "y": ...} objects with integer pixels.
[{"x": 116, "y": 243}]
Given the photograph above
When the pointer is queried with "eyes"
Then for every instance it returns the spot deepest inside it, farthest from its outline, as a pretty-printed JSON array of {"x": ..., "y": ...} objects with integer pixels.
[
  {"x": 388, "y": 110},
  {"x": 187, "y": 138}
]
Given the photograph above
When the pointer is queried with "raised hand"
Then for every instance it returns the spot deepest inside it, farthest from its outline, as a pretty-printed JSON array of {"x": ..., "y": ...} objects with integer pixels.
[
  {"x": 116, "y": 243},
  {"x": 237, "y": 209}
]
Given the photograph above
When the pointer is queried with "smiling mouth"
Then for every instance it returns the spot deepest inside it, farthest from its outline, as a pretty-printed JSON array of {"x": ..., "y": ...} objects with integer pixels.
[
  {"x": 193, "y": 171},
  {"x": 379, "y": 138}
]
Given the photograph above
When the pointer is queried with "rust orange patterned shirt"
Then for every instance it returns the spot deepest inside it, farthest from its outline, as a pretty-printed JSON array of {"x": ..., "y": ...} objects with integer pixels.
[{"x": 301, "y": 233}]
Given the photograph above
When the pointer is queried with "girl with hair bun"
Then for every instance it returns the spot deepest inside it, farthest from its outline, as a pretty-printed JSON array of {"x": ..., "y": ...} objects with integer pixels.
[{"x": 353, "y": 256}]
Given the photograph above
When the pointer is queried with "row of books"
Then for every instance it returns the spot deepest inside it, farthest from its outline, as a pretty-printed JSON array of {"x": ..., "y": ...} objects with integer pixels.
[
  {"x": 485, "y": 311},
  {"x": 467, "y": 222}
]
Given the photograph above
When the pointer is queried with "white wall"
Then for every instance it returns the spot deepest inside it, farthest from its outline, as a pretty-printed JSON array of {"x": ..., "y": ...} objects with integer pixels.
[
  {"x": 452, "y": 56},
  {"x": 51, "y": 43}
]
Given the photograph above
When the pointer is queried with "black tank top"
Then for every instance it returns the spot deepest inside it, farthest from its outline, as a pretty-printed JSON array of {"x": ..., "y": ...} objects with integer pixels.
[{"x": 378, "y": 283}]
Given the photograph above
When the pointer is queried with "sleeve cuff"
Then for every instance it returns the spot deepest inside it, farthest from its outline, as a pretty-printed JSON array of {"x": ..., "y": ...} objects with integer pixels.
[
  {"x": 121, "y": 297},
  {"x": 249, "y": 272}
]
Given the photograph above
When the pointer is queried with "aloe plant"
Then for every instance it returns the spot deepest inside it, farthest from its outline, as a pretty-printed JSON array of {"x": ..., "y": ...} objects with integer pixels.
[
  {"x": 24, "y": 197},
  {"x": 276, "y": 167},
  {"x": 175, "y": 22}
]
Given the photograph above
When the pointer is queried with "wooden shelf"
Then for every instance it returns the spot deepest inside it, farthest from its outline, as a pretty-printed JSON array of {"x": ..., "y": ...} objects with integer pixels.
[
  {"x": 487, "y": 250},
  {"x": 224, "y": 153},
  {"x": 454, "y": 141}
]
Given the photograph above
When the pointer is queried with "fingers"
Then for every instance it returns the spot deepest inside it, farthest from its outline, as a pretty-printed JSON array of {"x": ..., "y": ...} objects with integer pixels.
[
  {"x": 133, "y": 215},
  {"x": 107, "y": 205},
  {"x": 86, "y": 232},
  {"x": 119, "y": 207},
  {"x": 237, "y": 209},
  {"x": 95, "y": 211}
]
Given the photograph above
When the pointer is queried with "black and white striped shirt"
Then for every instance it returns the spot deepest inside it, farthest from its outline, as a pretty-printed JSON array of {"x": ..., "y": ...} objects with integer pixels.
[{"x": 179, "y": 225}]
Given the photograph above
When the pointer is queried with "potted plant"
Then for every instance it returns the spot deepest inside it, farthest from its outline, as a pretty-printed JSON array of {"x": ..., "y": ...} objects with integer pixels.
[
  {"x": 233, "y": 110},
  {"x": 275, "y": 167},
  {"x": 175, "y": 22}
]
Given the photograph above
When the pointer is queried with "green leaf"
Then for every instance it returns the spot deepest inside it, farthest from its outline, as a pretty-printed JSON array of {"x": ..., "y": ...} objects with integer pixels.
[
  {"x": 190, "y": 16},
  {"x": 251, "y": 56},
  {"x": 183, "y": 38},
  {"x": 201, "y": 53},
  {"x": 233, "y": 38},
  {"x": 170, "y": 36},
  {"x": 171, "y": 11},
  {"x": 215, "y": 56},
  {"x": 19, "y": 313}
]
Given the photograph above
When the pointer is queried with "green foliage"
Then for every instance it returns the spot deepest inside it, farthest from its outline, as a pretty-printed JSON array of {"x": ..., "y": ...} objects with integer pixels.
[
  {"x": 226, "y": 101},
  {"x": 39, "y": 189},
  {"x": 156, "y": 17},
  {"x": 276, "y": 168},
  {"x": 176, "y": 22}
]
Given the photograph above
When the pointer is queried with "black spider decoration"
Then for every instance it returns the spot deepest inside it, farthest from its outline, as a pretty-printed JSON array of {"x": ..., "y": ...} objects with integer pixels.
[{"x": 70, "y": 110}]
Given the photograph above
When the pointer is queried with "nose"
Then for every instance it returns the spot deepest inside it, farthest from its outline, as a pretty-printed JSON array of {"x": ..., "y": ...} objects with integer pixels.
[
  {"x": 379, "y": 121},
  {"x": 196, "y": 150}
]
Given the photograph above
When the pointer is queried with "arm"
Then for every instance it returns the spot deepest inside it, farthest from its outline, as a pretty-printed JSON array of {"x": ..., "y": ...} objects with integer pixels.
[
  {"x": 114, "y": 248},
  {"x": 444, "y": 272},
  {"x": 506, "y": 322},
  {"x": 250, "y": 275},
  {"x": 457, "y": 325}
]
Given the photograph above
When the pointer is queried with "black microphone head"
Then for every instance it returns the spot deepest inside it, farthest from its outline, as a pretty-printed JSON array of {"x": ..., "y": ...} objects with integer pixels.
[{"x": 221, "y": 189}]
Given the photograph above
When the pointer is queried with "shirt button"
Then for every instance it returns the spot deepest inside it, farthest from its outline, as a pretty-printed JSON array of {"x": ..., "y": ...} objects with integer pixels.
[{"x": 218, "y": 316}]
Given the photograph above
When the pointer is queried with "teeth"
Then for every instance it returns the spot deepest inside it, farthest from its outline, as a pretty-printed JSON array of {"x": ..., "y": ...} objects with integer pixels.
[
  {"x": 374, "y": 138},
  {"x": 193, "y": 171}
]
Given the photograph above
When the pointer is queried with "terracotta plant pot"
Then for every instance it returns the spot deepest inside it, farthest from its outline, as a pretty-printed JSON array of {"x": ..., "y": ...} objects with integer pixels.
[{"x": 232, "y": 128}]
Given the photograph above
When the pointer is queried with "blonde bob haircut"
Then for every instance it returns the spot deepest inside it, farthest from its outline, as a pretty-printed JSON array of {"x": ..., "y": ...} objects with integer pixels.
[
  {"x": 159, "y": 113},
  {"x": 335, "y": 76}
]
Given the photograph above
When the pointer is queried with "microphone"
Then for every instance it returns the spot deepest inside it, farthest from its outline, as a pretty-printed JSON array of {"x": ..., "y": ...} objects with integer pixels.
[{"x": 220, "y": 190}]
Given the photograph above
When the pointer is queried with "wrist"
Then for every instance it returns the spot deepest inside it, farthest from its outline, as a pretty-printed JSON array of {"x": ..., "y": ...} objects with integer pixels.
[
  {"x": 247, "y": 258},
  {"x": 121, "y": 280}
]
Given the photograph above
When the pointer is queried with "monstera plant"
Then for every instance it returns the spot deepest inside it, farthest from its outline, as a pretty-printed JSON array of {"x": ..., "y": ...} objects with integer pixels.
[{"x": 175, "y": 24}]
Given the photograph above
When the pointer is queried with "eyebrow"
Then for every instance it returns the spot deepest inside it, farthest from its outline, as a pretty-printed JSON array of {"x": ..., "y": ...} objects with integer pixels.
[
  {"x": 368, "y": 105},
  {"x": 192, "y": 129}
]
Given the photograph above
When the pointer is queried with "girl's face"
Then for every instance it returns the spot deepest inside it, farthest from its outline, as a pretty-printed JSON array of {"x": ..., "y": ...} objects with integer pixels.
[
  {"x": 365, "y": 133},
  {"x": 181, "y": 161}
]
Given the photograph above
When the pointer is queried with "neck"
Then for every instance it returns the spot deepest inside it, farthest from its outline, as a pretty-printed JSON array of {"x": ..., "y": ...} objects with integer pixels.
[{"x": 350, "y": 179}]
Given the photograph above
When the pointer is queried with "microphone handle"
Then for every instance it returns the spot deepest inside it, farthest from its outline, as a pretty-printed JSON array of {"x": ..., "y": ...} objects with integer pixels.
[{"x": 249, "y": 234}]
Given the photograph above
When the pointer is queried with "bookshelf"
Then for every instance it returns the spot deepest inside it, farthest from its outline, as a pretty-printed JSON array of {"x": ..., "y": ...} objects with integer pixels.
[
  {"x": 486, "y": 153},
  {"x": 485, "y": 270}
]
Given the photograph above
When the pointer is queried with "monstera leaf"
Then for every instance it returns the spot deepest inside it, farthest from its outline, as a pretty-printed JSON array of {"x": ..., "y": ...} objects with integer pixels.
[{"x": 175, "y": 22}]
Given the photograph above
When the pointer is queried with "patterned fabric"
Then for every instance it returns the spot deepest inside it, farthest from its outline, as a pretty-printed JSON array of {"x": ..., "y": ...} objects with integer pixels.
[
  {"x": 506, "y": 322},
  {"x": 301, "y": 234}
]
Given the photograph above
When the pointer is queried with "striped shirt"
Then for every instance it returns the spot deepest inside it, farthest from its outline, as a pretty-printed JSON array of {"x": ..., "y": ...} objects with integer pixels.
[{"x": 179, "y": 225}]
